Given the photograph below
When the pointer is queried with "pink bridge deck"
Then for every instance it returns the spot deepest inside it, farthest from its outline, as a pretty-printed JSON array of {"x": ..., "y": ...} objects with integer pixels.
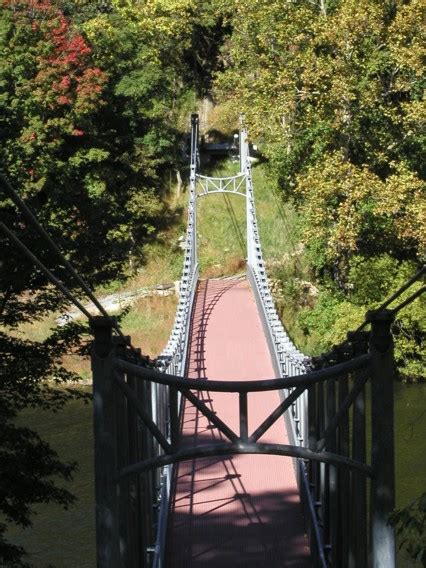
[{"x": 242, "y": 510}]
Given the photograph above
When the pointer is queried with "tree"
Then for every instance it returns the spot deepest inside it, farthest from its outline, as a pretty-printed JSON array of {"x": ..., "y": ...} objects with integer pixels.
[
  {"x": 86, "y": 166},
  {"x": 91, "y": 94},
  {"x": 334, "y": 92}
]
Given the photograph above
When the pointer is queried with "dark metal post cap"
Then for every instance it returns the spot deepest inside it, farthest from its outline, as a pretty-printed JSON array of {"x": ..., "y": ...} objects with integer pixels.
[
  {"x": 381, "y": 320},
  {"x": 102, "y": 321},
  {"x": 380, "y": 316},
  {"x": 102, "y": 328}
]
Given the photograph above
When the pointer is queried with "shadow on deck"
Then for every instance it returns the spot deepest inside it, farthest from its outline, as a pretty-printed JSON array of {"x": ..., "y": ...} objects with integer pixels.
[{"x": 242, "y": 510}]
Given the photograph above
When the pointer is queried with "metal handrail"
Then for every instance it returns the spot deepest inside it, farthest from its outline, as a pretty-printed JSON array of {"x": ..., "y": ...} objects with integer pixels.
[
  {"x": 247, "y": 386},
  {"x": 287, "y": 359},
  {"x": 172, "y": 360}
]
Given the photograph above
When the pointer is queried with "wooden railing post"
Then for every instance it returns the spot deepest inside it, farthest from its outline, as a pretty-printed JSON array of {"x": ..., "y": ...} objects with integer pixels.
[
  {"x": 382, "y": 439},
  {"x": 104, "y": 414}
]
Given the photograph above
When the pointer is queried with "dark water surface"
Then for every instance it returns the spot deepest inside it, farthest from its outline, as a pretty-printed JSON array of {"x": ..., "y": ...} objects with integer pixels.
[{"x": 65, "y": 539}]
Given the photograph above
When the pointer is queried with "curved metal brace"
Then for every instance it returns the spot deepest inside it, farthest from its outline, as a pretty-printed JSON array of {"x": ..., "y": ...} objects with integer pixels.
[
  {"x": 221, "y": 191},
  {"x": 244, "y": 386},
  {"x": 219, "y": 179},
  {"x": 231, "y": 185},
  {"x": 215, "y": 450}
]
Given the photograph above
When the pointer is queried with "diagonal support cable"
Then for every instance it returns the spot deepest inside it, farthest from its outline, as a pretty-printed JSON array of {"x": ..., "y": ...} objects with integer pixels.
[
  {"x": 396, "y": 295},
  {"x": 34, "y": 221},
  {"x": 410, "y": 299}
]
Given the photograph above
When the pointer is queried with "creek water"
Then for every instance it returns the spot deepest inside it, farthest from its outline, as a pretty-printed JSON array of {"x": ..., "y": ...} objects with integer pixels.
[{"x": 66, "y": 539}]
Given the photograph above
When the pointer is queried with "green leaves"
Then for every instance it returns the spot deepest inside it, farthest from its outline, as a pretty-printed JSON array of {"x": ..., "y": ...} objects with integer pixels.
[
  {"x": 333, "y": 93},
  {"x": 87, "y": 131},
  {"x": 410, "y": 526}
]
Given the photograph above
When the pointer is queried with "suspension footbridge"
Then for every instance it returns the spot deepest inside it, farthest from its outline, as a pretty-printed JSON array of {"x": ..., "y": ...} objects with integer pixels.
[
  {"x": 235, "y": 449},
  {"x": 251, "y": 453},
  {"x": 232, "y": 511}
]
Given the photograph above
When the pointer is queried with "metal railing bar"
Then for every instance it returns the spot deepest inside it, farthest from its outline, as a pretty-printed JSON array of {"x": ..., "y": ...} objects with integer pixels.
[
  {"x": 214, "y": 450},
  {"x": 174, "y": 417},
  {"x": 243, "y": 407},
  {"x": 139, "y": 407},
  {"x": 346, "y": 404},
  {"x": 199, "y": 195},
  {"x": 209, "y": 414},
  {"x": 273, "y": 417},
  {"x": 244, "y": 386},
  {"x": 410, "y": 299},
  {"x": 218, "y": 179}
]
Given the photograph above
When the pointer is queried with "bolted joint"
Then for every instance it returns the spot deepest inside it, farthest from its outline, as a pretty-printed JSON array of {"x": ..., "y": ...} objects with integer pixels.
[
  {"x": 318, "y": 362},
  {"x": 121, "y": 343},
  {"x": 194, "y": 119},
  {"x": 343, "y": 352},
  {"x": 358, "y": 341},
  {"x": 381, "y": 321},
  {"x": 331, "y": 358},
  {"x": 102, "y": 330}
]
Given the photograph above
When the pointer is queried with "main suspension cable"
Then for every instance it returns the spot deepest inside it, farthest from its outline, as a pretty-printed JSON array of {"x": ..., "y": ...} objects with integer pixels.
[
  {"x": 45, "y": 270},
  {"x": 396, "y": 295},
  {"x": 31, "y": 217},
  {"x": 34, "y": 221}
]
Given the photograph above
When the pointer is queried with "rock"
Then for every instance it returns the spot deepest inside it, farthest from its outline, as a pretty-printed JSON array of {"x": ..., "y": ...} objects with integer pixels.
[{"x": 114, "y": 303}]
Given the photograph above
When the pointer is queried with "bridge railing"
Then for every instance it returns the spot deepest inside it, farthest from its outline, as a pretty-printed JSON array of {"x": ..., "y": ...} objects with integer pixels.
[
  {"x": 324, "y": 401},
  {"x": 131, "y": 445},
  {"x": 173, "y": 358},
  {"x": 287, "y": 359},
  {"x": 334, "y": 501}
]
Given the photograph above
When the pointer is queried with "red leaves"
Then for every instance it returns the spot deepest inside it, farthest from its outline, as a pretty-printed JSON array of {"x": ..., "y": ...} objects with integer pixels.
[
  {"x": 63, "y": 100},
  {"x": 59, "y": 89},
  {"x": 69, "y": 49},
  {"x": 64, "y": 81},
  {"x": 64, "y": 77},
  {"x": 78, "y": 83}
]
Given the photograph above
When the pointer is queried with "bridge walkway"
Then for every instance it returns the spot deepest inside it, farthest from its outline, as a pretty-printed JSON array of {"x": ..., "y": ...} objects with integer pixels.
[{"x": 242, "y": 510}]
